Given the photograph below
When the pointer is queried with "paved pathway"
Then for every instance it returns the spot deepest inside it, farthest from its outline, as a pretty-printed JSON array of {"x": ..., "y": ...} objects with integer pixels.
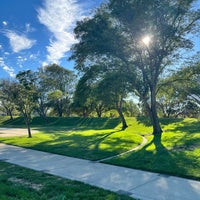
[
  {"x": 10, "y": 132},
  {"x": 136, "y": 183}
]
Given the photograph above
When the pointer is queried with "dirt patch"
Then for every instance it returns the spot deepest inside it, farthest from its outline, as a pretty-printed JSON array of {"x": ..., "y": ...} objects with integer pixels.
[
  {"x": 34, "y": 186},
  {"x": 10, "y": 132}
]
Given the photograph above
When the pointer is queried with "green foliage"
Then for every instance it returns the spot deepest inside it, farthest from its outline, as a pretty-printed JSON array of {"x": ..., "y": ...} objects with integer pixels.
[
  {"x": 112, "y": 38},
  {"x": 7, "y": 105},
  {"x": 20, "y": 183},
  {"x": 183, "y": 92},
  {"x": 55, "y": 86}
]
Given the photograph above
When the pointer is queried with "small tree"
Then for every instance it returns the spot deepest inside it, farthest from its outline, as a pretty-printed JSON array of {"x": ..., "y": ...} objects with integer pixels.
[{"x": 25, "y": 96}]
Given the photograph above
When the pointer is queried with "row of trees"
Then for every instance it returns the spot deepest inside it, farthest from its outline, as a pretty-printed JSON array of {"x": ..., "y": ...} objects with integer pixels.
[
  {"x": 55, "y": 91},
  {"x": 47, "y": 90},
  {"x": 126, "y": 47}
]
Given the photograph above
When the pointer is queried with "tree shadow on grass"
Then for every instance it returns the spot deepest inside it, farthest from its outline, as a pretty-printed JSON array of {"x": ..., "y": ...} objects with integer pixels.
[
  {"x": 77, "y": 122},
  {"x": 155, "y": 157},
  {"x": 164, "y": 121},
  {"x": 174, "y": 161},
  {"x": 188, "y": 127},
  {"x": 91, "y": 147}
]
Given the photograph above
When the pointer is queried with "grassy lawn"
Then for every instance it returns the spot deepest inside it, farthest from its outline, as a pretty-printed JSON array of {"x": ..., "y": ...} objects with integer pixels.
[
  {"x": 176, "y": 153},
  {"x": 93, "y": 139},
  {"x": 17, "y": 183}
]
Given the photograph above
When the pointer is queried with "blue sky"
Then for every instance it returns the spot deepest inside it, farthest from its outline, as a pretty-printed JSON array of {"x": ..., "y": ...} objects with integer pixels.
[{"x": 34, "y": 33}]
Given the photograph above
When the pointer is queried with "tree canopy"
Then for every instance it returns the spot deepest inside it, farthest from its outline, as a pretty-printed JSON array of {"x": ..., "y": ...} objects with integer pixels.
[{"x": 140, "y": 37}]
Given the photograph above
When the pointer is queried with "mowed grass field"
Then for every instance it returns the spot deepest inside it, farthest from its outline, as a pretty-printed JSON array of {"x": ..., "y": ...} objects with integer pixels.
[{"x": 177, "y": 152}]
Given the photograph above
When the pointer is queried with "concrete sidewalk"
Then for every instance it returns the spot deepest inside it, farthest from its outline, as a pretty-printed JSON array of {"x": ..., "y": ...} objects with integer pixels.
[{"x": 135, "y": 183}]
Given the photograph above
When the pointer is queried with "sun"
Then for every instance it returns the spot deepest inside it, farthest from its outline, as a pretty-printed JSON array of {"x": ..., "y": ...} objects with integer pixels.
[{"x": 146, "y": 40}]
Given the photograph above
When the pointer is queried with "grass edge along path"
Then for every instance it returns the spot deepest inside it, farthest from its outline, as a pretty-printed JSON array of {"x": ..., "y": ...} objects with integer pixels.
[
  {"x": 144, "y": 142},
  {"x": 21, "y": 183}
]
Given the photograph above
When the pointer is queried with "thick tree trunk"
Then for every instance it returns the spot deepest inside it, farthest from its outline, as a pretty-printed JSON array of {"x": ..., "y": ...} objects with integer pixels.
[
  {"x": 124, "y": 124},
  {"x": 154, "y": 116}
]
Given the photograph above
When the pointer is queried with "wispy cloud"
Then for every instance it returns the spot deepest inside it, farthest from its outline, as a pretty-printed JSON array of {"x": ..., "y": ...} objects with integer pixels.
[
  {"x": 5, "y": 23},
  {"x": 29, "y": 28},
  {"x": 19, "y": 42},
  {"x": 6, "y": 68},
  {"x": 9, "y": 70},
  {"x": 60, "y": 17}
]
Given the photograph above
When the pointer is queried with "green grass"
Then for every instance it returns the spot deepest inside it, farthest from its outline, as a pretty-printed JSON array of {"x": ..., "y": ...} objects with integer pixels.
[
  {"x": 176, "y": 153},
  {"x": 17, "y": 183},
  {"x": 81, "y": 122},
  {"x": 92, "y": 139}
]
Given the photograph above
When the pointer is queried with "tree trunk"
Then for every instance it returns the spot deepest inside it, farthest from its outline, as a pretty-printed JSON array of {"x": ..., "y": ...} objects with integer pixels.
[
  {"x": 99, "y": 110},
  {"x": 27, "y": 121},
  {"x": 99, "y": 113},
  {"x": 29, "y": 130},
  {"x": 10, "y": 114},
  {"x": 41, "y": 111},
  {"x": 153, "y": 114},
  {"x": 119, "y": 110}
]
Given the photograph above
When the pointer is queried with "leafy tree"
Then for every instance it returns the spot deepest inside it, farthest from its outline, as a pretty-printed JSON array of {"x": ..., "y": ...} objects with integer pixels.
[
  {"x": 112, "y": 91},
  {"x": 80, "y": 104},
  {"x": 131, "y": 109},
  {"x": 51, "y": 79},
  {"x": 58, "y": 102},
  {"x": 182, "y": 93},
  {"x": 101, "y": 88},
  {"x": 7, "y": 103},
  {"x": 84, "y": 97},
  {"x": 191, "y": 109},
  {"x": 25, "y": 96},
  {"x": 144, "y": 36},
  {"x": 42, "y": 105}
]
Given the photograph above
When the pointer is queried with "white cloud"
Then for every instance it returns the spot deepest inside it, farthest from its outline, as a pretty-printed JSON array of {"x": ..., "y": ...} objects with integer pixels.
[
  {"x": 5, "y": 23},
  {"x": 1, "y": 61},
  {"x": 21, "y": 60},
  {"x": 8, "y": 69},
  {"x": 60, "y": 17},
  {"x": 6, "y": 53},
  {"x": 19, "y": 42}
]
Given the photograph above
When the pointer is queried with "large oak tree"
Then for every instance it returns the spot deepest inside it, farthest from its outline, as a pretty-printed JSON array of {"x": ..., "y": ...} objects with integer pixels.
[{"x": 144, "y": 36}]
